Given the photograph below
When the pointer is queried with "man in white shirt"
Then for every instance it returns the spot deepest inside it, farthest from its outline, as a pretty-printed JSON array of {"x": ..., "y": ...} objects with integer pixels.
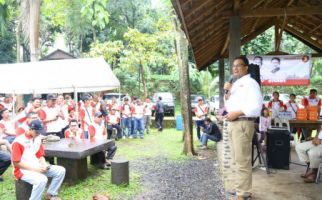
[
  {"x": 310, "y": 152},
  {"x": 243, "y": 103},
  {"x": 138, "y": 119},
  {"x": 148, "y": 107}
]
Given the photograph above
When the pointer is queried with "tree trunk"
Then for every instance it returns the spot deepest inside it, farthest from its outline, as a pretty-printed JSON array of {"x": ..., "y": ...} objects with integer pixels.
[
  {"x": 94, "y": 33},
  {"x": 19, "y": 98},
  {"x": 34, "y": 30},
  {"x": 18, "y": 42},
  {"x": 182, "y": 56},
  {"x": 145, "y": 91}
]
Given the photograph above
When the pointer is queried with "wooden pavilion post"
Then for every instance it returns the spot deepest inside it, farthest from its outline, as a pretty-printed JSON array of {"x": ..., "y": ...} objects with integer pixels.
[
  {"x": 221, "y": 81},
  {"x": 234, "y": 38}
]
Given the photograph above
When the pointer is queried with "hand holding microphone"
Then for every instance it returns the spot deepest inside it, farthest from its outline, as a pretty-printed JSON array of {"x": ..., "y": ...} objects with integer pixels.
[{"x": 228, "y": 85}]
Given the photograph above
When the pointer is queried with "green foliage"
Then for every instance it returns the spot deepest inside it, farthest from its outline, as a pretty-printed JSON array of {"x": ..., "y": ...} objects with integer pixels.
[
  {"x": 110, "y": 50},
  {"x": 95, "y": 11}
]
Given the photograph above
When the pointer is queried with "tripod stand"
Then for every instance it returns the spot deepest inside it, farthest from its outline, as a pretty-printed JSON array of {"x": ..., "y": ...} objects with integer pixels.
[{"x": 260, "y": 156}]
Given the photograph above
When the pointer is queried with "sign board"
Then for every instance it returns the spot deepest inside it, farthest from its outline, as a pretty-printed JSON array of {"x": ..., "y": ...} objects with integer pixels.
[{"x": 283, "y": 70}]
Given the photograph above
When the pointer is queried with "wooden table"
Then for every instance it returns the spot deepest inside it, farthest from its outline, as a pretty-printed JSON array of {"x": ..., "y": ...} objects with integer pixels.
[
  {"x": 309, "y": 124},
  {"x": 72, "y": 154}
]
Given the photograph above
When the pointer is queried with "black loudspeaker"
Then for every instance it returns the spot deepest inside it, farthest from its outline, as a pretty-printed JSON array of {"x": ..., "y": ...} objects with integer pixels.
[
  {"x": 278, "y": 149},
  {"x": 254, "y": 72}
]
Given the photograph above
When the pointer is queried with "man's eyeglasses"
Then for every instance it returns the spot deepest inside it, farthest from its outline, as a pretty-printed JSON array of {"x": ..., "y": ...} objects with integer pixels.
[{"x": 240, "y": 65}]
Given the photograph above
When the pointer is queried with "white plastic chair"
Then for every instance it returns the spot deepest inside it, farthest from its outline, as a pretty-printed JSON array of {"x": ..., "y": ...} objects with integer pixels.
[{"x": 318, "y": 174}]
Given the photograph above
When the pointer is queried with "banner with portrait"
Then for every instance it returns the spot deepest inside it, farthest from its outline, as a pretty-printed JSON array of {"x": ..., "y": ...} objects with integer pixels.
[{"x": 283, "y": 70}]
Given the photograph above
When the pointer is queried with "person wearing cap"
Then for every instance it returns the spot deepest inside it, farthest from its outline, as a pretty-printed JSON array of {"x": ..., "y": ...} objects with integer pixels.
[
  {"x": 148, "y": 107},
  {"x": 74, "y": 131},
  {"x": 243, "y": 104},
  {"x": 138, "y": 119},
  {"x": 97, "y": 131},
  {"x": 86, "y": 115},
  {"x": 201, "y": 111},
  {"x": 50, "y": 115},
  {"x": 126, "y": 111},
  {"x": 30, "y": 165},
  {"x": 210, "y": 132},
  {"x": 113, "y": 121},
  {"x": 7, "y": 126}
]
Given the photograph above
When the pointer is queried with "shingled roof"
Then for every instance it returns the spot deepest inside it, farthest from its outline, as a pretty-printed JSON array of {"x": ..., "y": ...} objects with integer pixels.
[{"x": 206, "y": 23}]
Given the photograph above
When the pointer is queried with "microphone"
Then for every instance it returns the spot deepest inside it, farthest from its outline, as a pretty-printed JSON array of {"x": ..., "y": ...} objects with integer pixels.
[{"x": 232, "y": 79}]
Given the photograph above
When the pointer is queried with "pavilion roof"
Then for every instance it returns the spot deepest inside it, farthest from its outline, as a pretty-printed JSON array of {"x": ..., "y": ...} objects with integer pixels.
[{"x": 206, "y": 23}]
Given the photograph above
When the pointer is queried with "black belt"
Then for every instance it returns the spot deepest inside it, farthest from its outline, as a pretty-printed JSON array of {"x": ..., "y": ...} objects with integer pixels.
[{"x": 245, "y": 119}]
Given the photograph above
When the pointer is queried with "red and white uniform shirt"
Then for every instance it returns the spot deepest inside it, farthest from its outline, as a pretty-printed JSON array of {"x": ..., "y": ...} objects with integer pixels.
[
  {"x": 307, "y": 101},
  {"x": 276, "y": 107},
  {"x": 148, "y": 107},
  {"x": 112, "y": 119},
  {"x": 97, "y": 131},
  {"x": 292, "y": 107},
  {"x": 9, "y": 126},
  {"x": 138, "y": 111},
  {"x": 201, "y": 111},
  {"x": 27, "y": 150},
  {"x": 86, "y": 115},
  {"x": 78, "y": 135},
  {"x": 126, "y": 110},
  {"x": 50, "y": 113}
]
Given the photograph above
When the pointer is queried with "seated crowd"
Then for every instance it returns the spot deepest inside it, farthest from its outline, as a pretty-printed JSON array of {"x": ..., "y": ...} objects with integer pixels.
[{"x": 21, "y": 134}]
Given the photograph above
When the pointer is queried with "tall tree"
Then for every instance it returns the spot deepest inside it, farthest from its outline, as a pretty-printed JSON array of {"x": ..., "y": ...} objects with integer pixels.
[{"x": 30, "y": 17}]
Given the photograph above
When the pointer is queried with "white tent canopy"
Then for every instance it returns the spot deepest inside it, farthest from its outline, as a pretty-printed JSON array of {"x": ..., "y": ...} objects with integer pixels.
[{"x": 57, "y": 76}]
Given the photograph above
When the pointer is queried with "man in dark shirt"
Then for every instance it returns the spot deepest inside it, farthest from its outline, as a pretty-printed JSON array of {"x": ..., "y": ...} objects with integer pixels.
[
  {"x": 211, "y": 132},
  {"x": 159, "y": 114}
]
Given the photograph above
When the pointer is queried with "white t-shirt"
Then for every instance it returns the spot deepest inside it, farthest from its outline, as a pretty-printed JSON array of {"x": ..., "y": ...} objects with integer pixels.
[{"x": 245, "y": 95}]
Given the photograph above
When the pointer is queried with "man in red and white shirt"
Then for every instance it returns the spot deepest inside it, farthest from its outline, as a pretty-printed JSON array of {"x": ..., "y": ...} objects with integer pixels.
[
  {"x": 201, "y": 111},
  {"x": 311, "y": 100},
  {"x": 113, "y": 121},
  {"x": 126, "y": 111},
  {"x": 138, "y": 119},
  {"x": 74, "y": 131},
  {"x": 50, "y": 115},
  {"x": 86, "y": 115},
  {"x": 7, "y": 126},
  {"x": 97, "y": 130},
  {"x": 34, "y": 106},
  {"x": 30, "y": 164},
  {"x": 148, "y": 107}
]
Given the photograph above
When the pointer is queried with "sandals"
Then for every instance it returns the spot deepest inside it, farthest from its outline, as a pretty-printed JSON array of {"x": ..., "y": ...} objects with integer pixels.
[{"x": 52, "y": 197}]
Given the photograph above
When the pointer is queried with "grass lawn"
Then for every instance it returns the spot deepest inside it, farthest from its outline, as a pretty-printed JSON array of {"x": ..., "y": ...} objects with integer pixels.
[{"x": 167, "y": 144}]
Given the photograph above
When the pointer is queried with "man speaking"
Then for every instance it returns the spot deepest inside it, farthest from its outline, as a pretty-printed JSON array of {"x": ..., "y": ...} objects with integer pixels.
[{"x": 243, "y": 104}]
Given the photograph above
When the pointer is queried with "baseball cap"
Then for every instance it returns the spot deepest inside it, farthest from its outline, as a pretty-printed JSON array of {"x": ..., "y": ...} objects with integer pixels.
[
  {"x": 98, "y": 114},
  {"x": 199, "y": 98},
  {"x": 86, "y": 97},
  {"x": 51, "y": 96},
  {"x": 37, "y": 126}
]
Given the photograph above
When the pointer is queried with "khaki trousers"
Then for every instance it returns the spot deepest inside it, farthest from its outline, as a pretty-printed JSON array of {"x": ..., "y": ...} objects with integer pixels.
[
  {"x": 308, "y": 152},
  {"x": 241, "y": 135}
]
